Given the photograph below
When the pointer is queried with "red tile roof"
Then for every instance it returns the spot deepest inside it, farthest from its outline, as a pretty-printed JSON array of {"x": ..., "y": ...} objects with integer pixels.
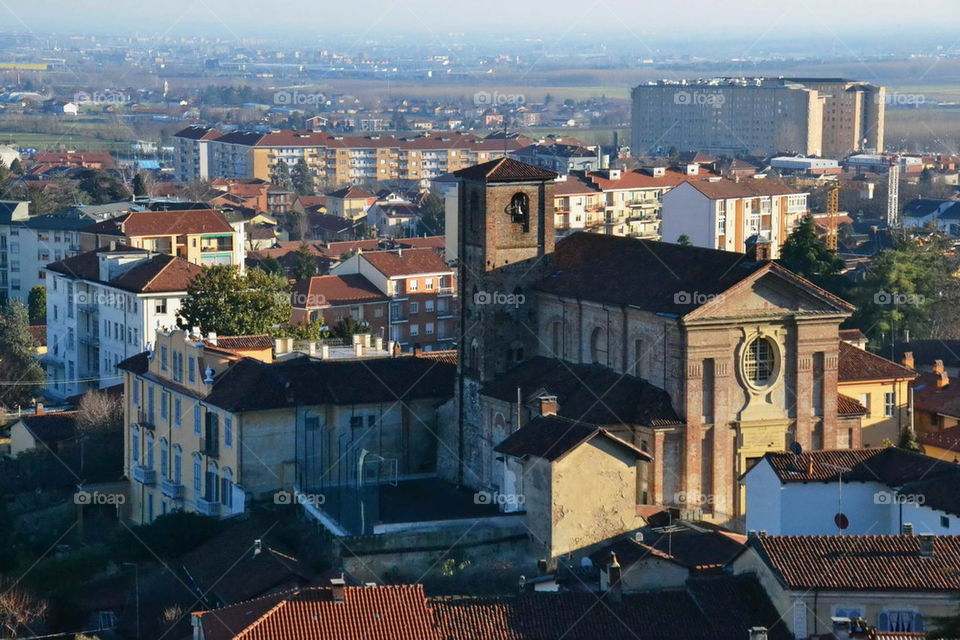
[
  {"x": 504, "y": 170},
  {"x": 158, "y": 272},
  {"x": 946, "y": 439},
  {"x": 862, "y": 563},
  {"x": 553, "y": 437},
  {"x": 153, "y": 223},
  {"x": 817, "y": 466},
  {"x": 242, "y": 343},
  {"x": 847, "y": 406},
  {"x": 749, "y": 188},
  {"x": 324, "y": 291},
  {"x": 639, "y": 179},
  {"x": 407, "y": 262},
  {"x": 927, "y": 396},
  {"x": 397, "y": 612},
  {"x": 852, "y": 335},
  {"x": 857, "y": 365}
]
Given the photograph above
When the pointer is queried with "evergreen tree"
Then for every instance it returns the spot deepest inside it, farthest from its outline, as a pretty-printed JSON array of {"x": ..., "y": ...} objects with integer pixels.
[
  {"x": 432, "y": 216},
  {"x": 16, "y": 167},
  {"x": 305, "y": 266},
  {"x": 21, "y": 375},
  {"x": 807, "y": 255},
  {"x": 280, "y": 176},
  {"x": 139, "y": 185},
  {"x": 37, "y": 305},
  {"x": 223, "y": 300},
  {"x": 302, "y": 179},
  {"x": 908, "y": 440},
  {"x": 101, "y": 186},
  {"x": 684, "y": 240}
]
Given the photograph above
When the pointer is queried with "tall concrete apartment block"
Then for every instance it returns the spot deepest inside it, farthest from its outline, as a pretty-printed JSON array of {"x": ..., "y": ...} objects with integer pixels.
[{"x": 762, "y": 116}]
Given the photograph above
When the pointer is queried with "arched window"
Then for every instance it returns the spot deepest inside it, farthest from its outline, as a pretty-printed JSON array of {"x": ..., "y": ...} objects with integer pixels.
[
  {"x": 197, "y": 475},
  {"x": 519, "y": 210},
  {"x": 226, "y": 487},
  {"x": 164, "y": 458},
  {"x": 149, "y": 464},
  {"x": 212, "y": 493},
  {"x": 598, "y": 346},
  {"x": 758, "y": 362}
]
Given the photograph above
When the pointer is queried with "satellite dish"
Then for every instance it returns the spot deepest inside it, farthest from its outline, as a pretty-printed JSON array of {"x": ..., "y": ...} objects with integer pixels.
[
  {"x": 796, "y": 448},
  {"x": 842, "y": 521}
]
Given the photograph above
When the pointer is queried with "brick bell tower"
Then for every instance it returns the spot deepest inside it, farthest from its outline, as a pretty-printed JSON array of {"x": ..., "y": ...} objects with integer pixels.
[{"x": 505, "y": 231}]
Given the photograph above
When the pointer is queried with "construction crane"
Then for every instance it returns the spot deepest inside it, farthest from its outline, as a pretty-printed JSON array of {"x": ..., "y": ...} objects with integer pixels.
[{"x": 833, "y": 208}]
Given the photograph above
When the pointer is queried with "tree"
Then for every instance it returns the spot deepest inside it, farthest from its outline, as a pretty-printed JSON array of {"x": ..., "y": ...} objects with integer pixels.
[
  {"x": 19, "y": 611},
  {"x": 805, "y": 253},
  {"x": 140, "y": 187},
  {"x": 271, "y": 265},
  {"x": 16, "y": 167},
  {"x": 99, "y": 412},
  {"x": 347, "y": 327},
  {"x": 37, "y": 305},
  {"x": 305, "y": 266},
  {"x": 101, "y": 186},
  {"x": 223, "y": 300},
  {"x": 908, "y": 440},
  {"x": 280, "y": 176},
  {"x": 684, "y": 240},
  {"x": 21, "y": 376},
  {"x": 302, "y": 179},
  {"x": 432, "y": 216}
]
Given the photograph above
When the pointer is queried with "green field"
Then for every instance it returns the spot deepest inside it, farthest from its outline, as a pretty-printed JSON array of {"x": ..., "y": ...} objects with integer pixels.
[{"x": 60, "y": 142}]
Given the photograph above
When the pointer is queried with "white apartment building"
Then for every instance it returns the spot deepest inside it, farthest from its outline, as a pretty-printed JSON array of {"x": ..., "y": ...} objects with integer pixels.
[
  {"x": 730, "y": 215},
  {"x": 104, "y": 306}
]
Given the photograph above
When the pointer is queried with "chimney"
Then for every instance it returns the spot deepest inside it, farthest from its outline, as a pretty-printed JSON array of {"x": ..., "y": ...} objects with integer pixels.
[
  {"x": 943, "y": 378},
  {"x": 325, "y": 351},
  {"x": 810, "y": 465},
  {"x": 379, "y": 343},
  {"x": 906, "y": 529},
  {"x": 40, "y": 410},
  {"x": 926, "y": 545},
  {"x": 938, "y": 366},
  {"x": 548, "y": 405},
  {"x": 212, "y": 338},
  {"x": 614, "y": 588},
  {"x": 908, "y": 359},
  {"x": 337, "y": 587},
  {"x": 693, "y": 169},
  {"x": 417, "y": 350},
  {"x": 257, "y": 547},
  {"x": 358, "y": 349},
  {"x": 758, "y": 633}
]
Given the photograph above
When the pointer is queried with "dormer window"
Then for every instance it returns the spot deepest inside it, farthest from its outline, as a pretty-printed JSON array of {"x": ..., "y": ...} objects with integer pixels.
[{"x": 519, "y": 210}]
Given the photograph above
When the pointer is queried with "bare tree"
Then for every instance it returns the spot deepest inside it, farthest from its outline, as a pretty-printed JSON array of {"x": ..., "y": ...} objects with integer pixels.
[
  {"x": 99, "y": 412},
  {"x": 19, "y": 610}
]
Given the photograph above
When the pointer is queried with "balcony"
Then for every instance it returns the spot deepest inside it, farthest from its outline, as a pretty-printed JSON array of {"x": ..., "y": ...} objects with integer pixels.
[
  {"x": 210, "y": 447},
  {"x": 446, "y": 291},
  {"x": 91, "y": 339},
  {"x": 145, "y": 419},
  {"x": 171, "y": 489},
  {"x": 208, "y": 508},
  {"x": 143, "y": 475}
]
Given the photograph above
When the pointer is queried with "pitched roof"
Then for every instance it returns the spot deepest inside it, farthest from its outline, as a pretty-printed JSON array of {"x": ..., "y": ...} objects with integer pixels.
[
  {"x": 393, "y": 612},
  {"x": 252, "y": 385},
  {"x": 751, "y": 188},
  {"x": 694, "y": 549},
  {"x": 847, "y": 406},
  {"x": 856, "y": 364},
  {"x": 947, "y": 439},
  {"x": 197, "y": 132},
  {"x": 927, "y": 396},
  {"x": 553, "y": 437},
  {"x": 351, "y": 193},
  {"x": 153, "y": 273},
  {"x": 152, "y": 223},
  {"x": 407, "y": 262},
  {"x": 862, "y": 563},
  {"x": 322, "y": 291},
  {"x": 505, "y": 170},
  {"x": 242, "y": 343},
  {"x": 625, "y": 399},
  {"x": 51, "y": 428}
]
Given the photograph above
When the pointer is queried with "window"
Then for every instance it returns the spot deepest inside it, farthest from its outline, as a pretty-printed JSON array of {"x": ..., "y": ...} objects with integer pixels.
[
  {"x": 900, "y": 620},
  {"x": 150, "y": 414},
  {"x": 164, "y": 458},
  {"x": 865, "y": 401},
  {"x": 177, "y": 463},
  {"x": 519, "y": 210},
  {"x": 428, "y": 284},
  {"x": 164, "y": 405},
  {"x": 177, "y": 366},
  {"x": 197, "y": 472},
  {"x": 429, "y": 329},
  {"x": 356, "y": 421},
  {"x": 945, "y": 522},
  {"x": 414, "y": 308},
  {"x": 758, "y": 362},
  {"x": 889, "y": 404},
  {"x": 413, "y": 285},
  {"x": 135, "y": 392},
  {"x": 149, "y": 464},
  {"x": 191, "y": 369},
  {"x": 226, "y": 488},
  {"x": 428, "y": 306},
  {"x": 134, "y": 445},
  {"x": 196, "y": 419},
  {"x": 228, "y": 432},
  {"x": 163, "y": 357},
  {"x": 160, "y": 306},
  {"x": 177, "y": 411},
  {"x": 598, "y": 346},
  {"x": 414, "y": 330},
  {"x": 378, "y": 312}
]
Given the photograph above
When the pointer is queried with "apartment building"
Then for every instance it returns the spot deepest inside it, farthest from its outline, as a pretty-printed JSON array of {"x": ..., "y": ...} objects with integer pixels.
[
  {"x": 191, "y": 152},
  {"x": 214, "y": 424},
  {"x": 334, "y": 298},
  {"x": 103, "y": 306},
  {"x": 334, "y": 159},
  {"x": 29, "y": 243},
  {"x": 618, "y": 202},
  {"x": 200, "y": 236},
  {"x": 733, "y": 215},
  {"x": 760, "y": 116},
  {"x": 560, "y": 157},
  {"x": 421, "y": 289}
]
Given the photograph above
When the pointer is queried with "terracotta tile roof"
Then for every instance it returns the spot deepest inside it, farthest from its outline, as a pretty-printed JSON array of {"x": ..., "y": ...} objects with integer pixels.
[
  {"x": 155, "y": 273},
  {"x": 862, "y": 563},
  {"x": 847, "y": 406},
  {"x": 927, "y": 396},
  {"x": 626, "y": 399},
  {"x": 697, "y": 550},
  {"x": 407, "y": 262},
  {"x": 639, "y": 179},
  {"x": 573, "y": 184},
  {"x": 395, "y": 612},
  {"x": 336, "y": 249},
  {"x": 852, "y": 335},
  {"x": 312, "y": 201},
  {"x": 51, "y": 428},
  {"x": 324, "y": 291},
  {"x": 751, "y": 188},
  {"x": 152, "y": 223},
  {"x": 814, "y": 466},
  {"x": 447, "y": 356},
  {"x": 857, "y": 364},
  {"x": 553, "y": 437},
  {"x": 947, "y": 439},
  {"x": 504, "y": 170},
  {"x": 351, "y": 193},
  {"x": 242, "y": 343}
]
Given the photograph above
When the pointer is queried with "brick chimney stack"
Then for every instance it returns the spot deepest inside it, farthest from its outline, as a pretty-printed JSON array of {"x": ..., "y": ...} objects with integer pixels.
[
  {"x": 614, "y": 588},
  {"x": 943, "y": 378},
  {"x": 548, "y": 405},
  {"x": 908, "y": 359}
]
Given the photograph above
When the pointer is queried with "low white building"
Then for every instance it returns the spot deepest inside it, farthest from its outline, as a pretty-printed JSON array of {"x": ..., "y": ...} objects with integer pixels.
[
  {"x": 104, "y": 306},
  {"x": 881, "y": 491}
]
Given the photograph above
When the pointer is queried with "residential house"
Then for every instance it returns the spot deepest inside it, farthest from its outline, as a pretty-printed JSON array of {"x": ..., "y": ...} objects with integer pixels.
[
  {"x": 43, "y": 431},
  {"x": 394, "y": 219},
  {"x": 422, "y": 289},
  {"x": 350, "y": 202},
  {"x": 927, "y": 213},
  {"x": 104, "y": 306},
  {"x": 883, "y": 491},
  {"x": 936, "y": 400},
  {"x": 559, "y": 157},
  {"x": 893, "y": 582},
  {"x": 728, "y": 215},
  {"x": 200, "y": 236},
  {"x": 333, "y": 298},
  {"x": 192, "y": 407}
]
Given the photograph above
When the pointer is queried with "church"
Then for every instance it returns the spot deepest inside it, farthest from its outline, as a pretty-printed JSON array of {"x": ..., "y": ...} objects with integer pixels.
[{"x": 598, "y": 374}]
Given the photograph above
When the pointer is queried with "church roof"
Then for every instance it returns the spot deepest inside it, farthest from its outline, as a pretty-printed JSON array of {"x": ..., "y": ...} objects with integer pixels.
[{"x": 505, "y": 170}]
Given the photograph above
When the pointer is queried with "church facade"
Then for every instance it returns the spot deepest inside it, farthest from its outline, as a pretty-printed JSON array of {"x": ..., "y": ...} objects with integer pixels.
[{"x": 702, "y": 360}]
